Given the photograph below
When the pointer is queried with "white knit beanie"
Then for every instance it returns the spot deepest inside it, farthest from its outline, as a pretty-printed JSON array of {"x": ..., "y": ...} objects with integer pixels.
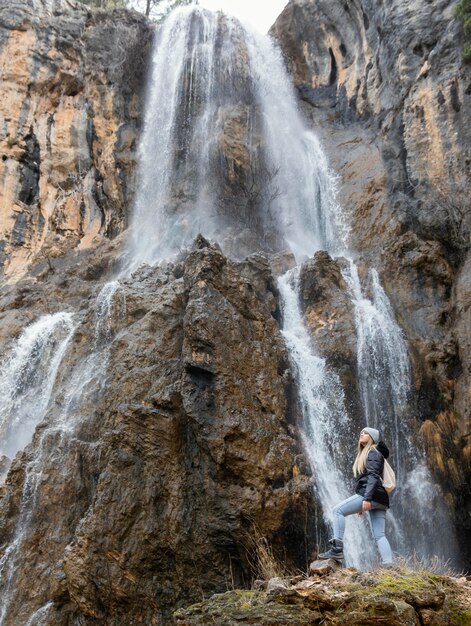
[{"x": 373, "y": 433}]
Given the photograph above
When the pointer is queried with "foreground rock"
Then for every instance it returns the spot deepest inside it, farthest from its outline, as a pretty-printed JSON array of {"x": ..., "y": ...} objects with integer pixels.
[
  {"x": 344, "y": 597},
  {"x": 175, "y": 438}
]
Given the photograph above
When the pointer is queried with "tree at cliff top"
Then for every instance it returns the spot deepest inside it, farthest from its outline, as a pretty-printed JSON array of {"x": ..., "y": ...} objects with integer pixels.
[
  {"x": 151, "y": 8},
  {"x": 159, "y": 8},
  {"x": 106, "y": 4},
  {"x": 463, "y": 11}
]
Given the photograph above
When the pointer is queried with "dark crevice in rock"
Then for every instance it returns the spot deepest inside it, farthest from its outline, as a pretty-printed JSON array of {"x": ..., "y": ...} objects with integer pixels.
[
  {"x": 333, "y": 69},
  {"x": 455, "y": 101},
  {"x": 30, "y": 160},
  {"x": 429, "y": 399}
]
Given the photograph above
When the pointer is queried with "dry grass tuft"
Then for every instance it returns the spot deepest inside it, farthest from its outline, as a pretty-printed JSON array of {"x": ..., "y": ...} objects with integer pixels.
[
  {"x": 264, "y": 564},
  {"x": 419, "y": 565}
]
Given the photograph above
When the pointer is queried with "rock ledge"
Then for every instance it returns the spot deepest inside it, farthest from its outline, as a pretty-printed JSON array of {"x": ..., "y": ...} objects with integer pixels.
[{"x": 346, "y": 596}]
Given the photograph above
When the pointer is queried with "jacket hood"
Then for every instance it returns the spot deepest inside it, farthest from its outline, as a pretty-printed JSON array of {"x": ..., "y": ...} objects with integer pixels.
[{"x": 383, "y": 448}]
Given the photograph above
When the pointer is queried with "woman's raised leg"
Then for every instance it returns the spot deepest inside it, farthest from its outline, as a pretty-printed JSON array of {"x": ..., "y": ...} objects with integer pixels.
[{"x": 340, "y": 511}]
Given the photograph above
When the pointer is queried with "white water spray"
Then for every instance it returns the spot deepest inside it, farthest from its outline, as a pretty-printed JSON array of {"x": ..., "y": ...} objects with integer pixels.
[
  {"x": 27, "y": 378},
  {"x": 224, "y": 150},
  {"x": 383, "y": 363},
  {"x": 84, "y": 382},
  {"x": 325, "y": 420},
  {"x": 385, "y": 388}
]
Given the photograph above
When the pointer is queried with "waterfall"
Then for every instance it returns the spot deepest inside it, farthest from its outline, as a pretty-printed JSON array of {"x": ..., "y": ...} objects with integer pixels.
[
  {"x": 224, "y": 150},
  {"x": 385, "y": 388},
  {"x": 383, "y": 364},
  {"x": 85, "y": 380},
  {"x": 27, "y": 377},
  {"x": 103, "y": 311},
  {"x": 325, "y": 420}
]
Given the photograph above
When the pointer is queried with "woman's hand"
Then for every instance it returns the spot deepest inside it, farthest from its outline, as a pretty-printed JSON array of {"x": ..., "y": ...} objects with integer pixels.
[{"x": 366, "y": 505}]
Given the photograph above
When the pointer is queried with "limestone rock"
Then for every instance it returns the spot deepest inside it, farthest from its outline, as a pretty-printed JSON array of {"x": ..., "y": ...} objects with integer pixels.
[
  {"x": 275, "y": 584},
  {"x": 323, "y": 567},
  {"x": 71, "y": 103},
  {"x": 167, "y": 469}
]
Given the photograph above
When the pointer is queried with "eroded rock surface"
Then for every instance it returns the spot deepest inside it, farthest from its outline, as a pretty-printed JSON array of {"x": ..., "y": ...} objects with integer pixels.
[
  {"x": 70, "y": 101},
  {"x": 153, "y": 473}
]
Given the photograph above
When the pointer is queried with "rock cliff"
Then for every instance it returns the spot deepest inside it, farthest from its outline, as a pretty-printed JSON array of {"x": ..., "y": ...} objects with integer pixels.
[
  {"x": 385, "y": 88},
  {"x": 164, "y": 451},
  {"x": 339, "y": 597},
  {"x": 71, "y": 100}
]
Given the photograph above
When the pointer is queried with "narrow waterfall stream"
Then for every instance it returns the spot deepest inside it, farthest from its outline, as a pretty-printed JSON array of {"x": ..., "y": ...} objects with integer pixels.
[
  {"x": 386, "y": 394},
  {"x": 27, "y": 378},
  {"x": 32, "y": 370},
  {"x": 325, "y": 419},
  {"x": 383, "y": 364}
]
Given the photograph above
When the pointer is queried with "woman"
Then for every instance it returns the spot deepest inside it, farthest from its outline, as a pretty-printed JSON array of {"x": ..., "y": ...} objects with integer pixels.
[{"x": 370, "y": 496}]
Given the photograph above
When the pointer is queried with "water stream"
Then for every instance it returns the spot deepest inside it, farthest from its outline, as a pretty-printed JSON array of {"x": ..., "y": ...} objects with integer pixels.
[
  {"x": 326, "y": 422},
  {"x": 27, "y": 377},
  {"x": 224, "y": 150},
  {"x": 32, "y": 368}
]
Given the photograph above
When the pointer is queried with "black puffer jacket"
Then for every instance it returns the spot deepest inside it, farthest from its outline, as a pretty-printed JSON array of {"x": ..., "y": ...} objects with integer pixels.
[{"x": 369, "y": 484}]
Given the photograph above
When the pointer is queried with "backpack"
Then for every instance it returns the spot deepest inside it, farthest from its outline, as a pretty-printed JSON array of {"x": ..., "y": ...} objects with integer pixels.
[{"x": 389, "y": 477}]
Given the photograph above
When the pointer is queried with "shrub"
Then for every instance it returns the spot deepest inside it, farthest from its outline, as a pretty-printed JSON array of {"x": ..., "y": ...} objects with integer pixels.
[{"x": 463, "y": 12}]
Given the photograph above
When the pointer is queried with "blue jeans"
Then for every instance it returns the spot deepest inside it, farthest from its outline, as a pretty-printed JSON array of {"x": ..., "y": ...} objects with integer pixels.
[{"x": 376, "y": 517}]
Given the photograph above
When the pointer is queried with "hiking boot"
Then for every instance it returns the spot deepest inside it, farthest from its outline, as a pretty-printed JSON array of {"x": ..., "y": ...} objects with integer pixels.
[{"x": 335, "y": 552}]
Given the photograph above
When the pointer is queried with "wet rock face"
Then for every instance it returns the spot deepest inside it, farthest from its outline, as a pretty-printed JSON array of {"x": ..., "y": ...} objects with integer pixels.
[
  {"x": 384, "y": 87},
  {"x": 329, "y": 316},
  {"x": 71, "y": 101},
  {"x": 150, "y": 494}
]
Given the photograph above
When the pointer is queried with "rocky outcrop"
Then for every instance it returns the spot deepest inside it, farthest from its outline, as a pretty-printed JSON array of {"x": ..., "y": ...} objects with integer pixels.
[
  {"x": 329, "y": 316},
  {"x": 71, "y": 100},
  {"x": 151, "y": 488},
  {"x": 342, "y": 597},
  {"x": 385, "y": 88}
]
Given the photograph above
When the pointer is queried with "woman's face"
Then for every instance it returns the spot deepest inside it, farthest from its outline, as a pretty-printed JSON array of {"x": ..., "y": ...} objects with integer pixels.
[{"x": 364, "y": 438}]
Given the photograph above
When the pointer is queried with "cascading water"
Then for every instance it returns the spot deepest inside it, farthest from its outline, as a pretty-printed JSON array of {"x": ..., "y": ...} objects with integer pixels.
[
  {"x": 383, "y": 363},
  {"x": 326, "y": 421},
  {"x": 224, "y": 150},
  {"x": 84, "y": 381},
  {"x": 27, "y": 378},
  {"x": 385, "y": 387}
]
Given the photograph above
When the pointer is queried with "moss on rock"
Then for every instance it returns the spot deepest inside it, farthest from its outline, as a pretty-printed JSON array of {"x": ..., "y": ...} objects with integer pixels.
[{"x": 347, "y": 596}]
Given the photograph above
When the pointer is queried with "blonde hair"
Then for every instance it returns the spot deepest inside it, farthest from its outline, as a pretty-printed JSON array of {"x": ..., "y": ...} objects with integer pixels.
[{"x": 360, "y": 462}]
